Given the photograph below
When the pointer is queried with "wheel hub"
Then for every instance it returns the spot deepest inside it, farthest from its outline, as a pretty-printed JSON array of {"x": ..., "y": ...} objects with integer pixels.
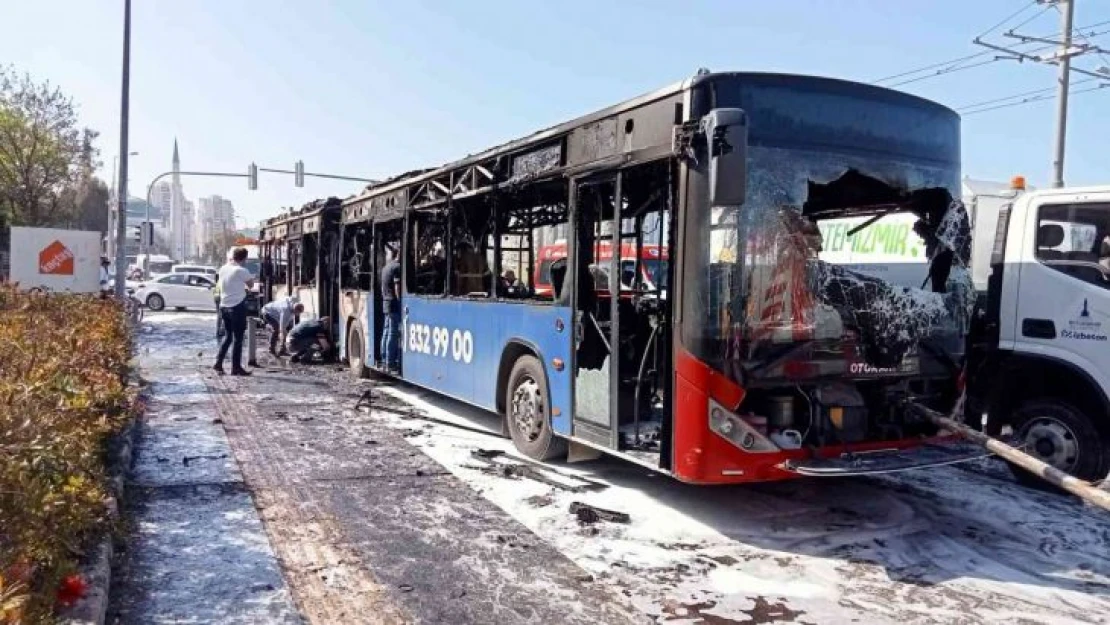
[
  {"x": 1051, "y": 442},
  {"x": 527, "y": 409}
]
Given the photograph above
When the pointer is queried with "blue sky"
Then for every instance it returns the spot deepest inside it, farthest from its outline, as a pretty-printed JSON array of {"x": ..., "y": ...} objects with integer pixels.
[{"x": 371, "y": 88}]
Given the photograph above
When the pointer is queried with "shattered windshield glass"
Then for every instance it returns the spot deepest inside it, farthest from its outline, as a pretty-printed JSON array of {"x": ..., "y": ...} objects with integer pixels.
[{"x": 768, "y": 293}]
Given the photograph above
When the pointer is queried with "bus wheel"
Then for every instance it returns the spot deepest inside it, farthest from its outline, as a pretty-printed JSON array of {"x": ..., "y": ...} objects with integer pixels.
[
  {"x": 355, "y": 358},
  {"x": 527, "y": 410},
  {"x": 1059, "y": 435}
]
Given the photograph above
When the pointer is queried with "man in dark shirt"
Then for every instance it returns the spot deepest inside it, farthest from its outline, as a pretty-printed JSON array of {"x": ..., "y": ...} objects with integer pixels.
[
  {"x": 391, "y": 302},
  {"x": 306, "y": 337}
]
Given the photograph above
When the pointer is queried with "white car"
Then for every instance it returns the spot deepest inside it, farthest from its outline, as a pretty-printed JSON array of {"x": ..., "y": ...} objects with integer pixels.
[
  {"x": 202, "y": 269},
  {"x": 178, "y": 290}
]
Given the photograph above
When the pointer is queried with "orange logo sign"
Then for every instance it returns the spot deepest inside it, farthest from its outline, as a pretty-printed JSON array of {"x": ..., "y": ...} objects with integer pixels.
[{"x": 56, "y": 259}]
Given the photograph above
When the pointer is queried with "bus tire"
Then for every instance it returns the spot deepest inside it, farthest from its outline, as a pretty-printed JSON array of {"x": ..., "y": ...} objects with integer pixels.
[
  {"x": 528, "y": 411},
  {"x": 356, "y": 360},
  {"x": 1060, "y": 435}
]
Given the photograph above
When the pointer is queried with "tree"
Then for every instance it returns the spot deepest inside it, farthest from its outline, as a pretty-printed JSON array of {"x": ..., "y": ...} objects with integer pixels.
[{"x": 46, "y": 161}]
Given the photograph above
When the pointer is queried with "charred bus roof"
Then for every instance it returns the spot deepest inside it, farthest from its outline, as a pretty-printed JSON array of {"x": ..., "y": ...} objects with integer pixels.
[
  {"x": 780, "y": 107},
  {"x": 297, "y": 221}
]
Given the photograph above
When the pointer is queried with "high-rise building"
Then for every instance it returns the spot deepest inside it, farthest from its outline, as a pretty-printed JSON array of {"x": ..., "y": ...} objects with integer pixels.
[
  {"x": 215, "y": 217},
  {"x": 188, "y": 228},
  {"x": 161, "y": 196}
]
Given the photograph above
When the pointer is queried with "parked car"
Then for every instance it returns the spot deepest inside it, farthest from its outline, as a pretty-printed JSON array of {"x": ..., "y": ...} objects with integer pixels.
[
  {"x": 178, "y": 290},
  {"x": 204, "y": 269}
]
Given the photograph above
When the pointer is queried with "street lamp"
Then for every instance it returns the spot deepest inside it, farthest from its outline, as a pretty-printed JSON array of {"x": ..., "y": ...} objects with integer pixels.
[{"x": 115, "y": 160}]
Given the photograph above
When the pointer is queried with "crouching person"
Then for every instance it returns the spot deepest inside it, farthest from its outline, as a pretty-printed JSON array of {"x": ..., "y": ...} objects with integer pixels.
[
  {"x": 308, "y": 337},
  {"x": 280, "y": 316}
]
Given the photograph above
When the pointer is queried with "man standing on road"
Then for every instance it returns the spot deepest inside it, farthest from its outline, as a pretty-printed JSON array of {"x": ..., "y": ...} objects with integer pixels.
[
  {"x": 234, "y": 280},
  {"x": 391, "y": 301},
  {"x": 280, "y": 315}
]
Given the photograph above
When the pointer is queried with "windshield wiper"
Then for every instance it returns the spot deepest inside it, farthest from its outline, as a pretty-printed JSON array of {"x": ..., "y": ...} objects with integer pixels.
[{"x": 873, "y": 219}]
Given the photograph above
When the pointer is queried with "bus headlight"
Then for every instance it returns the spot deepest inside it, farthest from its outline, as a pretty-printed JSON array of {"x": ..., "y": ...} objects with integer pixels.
[{"x": 737, "y": 431}]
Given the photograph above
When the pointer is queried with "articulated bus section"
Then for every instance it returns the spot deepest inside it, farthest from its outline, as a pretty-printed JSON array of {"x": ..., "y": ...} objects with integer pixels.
[{"x": 727, "y": 341}]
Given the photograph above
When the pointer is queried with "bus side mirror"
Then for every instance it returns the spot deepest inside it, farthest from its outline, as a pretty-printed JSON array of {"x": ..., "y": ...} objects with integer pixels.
[{"x": 726, "y": 135}]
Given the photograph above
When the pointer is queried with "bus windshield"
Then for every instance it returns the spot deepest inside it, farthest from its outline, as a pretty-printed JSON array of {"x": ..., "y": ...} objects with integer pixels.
[{"x": 761, "y": 284}]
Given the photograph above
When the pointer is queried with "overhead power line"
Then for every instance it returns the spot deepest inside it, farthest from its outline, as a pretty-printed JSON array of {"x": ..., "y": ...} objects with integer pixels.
[
  {"x": 1007, "y": 19},
  {"x": 961, "y": 63},
  {"x": 967, "y": 107},
  {"x": 1031, "y": 100}
]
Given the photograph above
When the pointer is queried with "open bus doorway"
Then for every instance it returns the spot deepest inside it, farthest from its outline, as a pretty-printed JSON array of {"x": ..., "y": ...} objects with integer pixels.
[
  {"x": 623, "y": 337},
  {"x": 388, "y": 236}
]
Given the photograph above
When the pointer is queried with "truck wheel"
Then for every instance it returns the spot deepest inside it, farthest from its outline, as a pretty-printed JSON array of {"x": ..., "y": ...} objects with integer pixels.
[
  {"x": 356, "y": 360},
  {"x": 1060, "y": 435},
  {"x": 528, "y": 412},
  {"x": 155, "y": 302}
]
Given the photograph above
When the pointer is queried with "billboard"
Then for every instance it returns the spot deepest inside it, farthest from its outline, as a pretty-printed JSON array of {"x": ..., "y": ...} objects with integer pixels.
[{"x": 55, "y": 259}]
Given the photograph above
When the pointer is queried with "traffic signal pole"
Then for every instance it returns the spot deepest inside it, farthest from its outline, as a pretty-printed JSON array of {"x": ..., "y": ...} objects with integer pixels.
[{"x": 252, "y": 183}]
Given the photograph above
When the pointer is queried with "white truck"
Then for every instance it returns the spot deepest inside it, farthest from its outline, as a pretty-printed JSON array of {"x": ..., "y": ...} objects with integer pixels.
[
  {"x": 1039, "y": 354},
  {"x": 1039, "y": 359}
]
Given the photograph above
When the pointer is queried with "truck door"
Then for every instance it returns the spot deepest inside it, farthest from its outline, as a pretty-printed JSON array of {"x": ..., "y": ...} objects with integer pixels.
[{"x": 1063, "y": 297}]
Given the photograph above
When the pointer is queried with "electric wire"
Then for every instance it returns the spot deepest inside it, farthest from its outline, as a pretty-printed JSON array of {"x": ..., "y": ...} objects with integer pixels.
[
  {"x": 1031, "y": 100},
  {"x": 967, "y": 107}
]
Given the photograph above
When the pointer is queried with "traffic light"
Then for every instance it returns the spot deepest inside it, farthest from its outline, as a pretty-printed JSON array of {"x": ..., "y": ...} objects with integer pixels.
[
  {"x": 298, "y": 173},
  {"x": 138, "y": 236},
  {"x": 252, "y": 177},
  {"x": 148, "y": 233}
]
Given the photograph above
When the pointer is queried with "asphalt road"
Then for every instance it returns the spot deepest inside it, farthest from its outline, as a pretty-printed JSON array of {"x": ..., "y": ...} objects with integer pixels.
[{"x": 383, "y": 516}]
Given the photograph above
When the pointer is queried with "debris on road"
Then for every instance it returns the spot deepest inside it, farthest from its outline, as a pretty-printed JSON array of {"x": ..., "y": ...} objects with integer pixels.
[
  {"x": 187, "y": 459},
  {"x": 588, "y": 515},
  {"x": 515, "y": 468}
]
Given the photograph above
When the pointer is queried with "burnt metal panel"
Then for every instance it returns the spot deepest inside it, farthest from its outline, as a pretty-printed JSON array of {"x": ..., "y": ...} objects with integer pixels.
[
  {"x": 648, "y": 127},
  {"x": 592, "y": 142},
  {"x": 538, "y": 161}
]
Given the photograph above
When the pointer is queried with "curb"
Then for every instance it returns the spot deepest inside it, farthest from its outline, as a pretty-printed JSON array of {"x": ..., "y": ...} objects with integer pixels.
[{"x": 92, "y": 609}]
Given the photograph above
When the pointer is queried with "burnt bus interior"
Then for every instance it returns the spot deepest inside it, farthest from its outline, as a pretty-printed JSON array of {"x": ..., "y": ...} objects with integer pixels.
[
  {"x": 273, "y": 249},
  {"x": 483, "y": 243},
  {"x": 300, "y": 249},
  {"x": 852, "y": 386}
]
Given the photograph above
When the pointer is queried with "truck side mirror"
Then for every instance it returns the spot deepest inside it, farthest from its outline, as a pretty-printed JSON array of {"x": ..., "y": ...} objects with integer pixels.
[{"x": 726, "y": 134}]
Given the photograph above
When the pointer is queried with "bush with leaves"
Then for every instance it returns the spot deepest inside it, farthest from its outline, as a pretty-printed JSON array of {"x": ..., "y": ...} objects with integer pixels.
[{"x": 63, "y": 393}]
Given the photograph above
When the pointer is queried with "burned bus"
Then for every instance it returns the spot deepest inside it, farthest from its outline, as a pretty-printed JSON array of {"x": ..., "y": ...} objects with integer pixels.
[
  {"x": 299, "y": 251},
  {"x": 758, "y": 360}
]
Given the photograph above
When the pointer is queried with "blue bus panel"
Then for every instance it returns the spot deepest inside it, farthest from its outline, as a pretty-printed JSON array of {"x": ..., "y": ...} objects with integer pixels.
[{"x": 454, "y": 347}]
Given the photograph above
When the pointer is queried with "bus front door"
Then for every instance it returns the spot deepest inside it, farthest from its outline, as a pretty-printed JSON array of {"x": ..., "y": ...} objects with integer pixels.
[{"x": 590, "y": 267}]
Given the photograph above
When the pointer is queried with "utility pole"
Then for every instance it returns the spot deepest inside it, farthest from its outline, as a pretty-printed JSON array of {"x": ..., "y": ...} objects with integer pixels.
[
  {"x": 1065, "y": 50},
  {"x": 124, "y": 114},
  {"x": 1067, "y": 11}
]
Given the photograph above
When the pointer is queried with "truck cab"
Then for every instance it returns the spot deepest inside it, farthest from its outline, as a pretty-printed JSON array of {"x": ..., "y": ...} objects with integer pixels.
[{"x": 1040, "y": 348}]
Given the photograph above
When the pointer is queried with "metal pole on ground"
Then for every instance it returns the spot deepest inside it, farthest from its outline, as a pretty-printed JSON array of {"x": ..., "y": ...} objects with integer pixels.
[
  {"x": 1084, "y": 490},
  {"x": 252, "y": 341}
]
